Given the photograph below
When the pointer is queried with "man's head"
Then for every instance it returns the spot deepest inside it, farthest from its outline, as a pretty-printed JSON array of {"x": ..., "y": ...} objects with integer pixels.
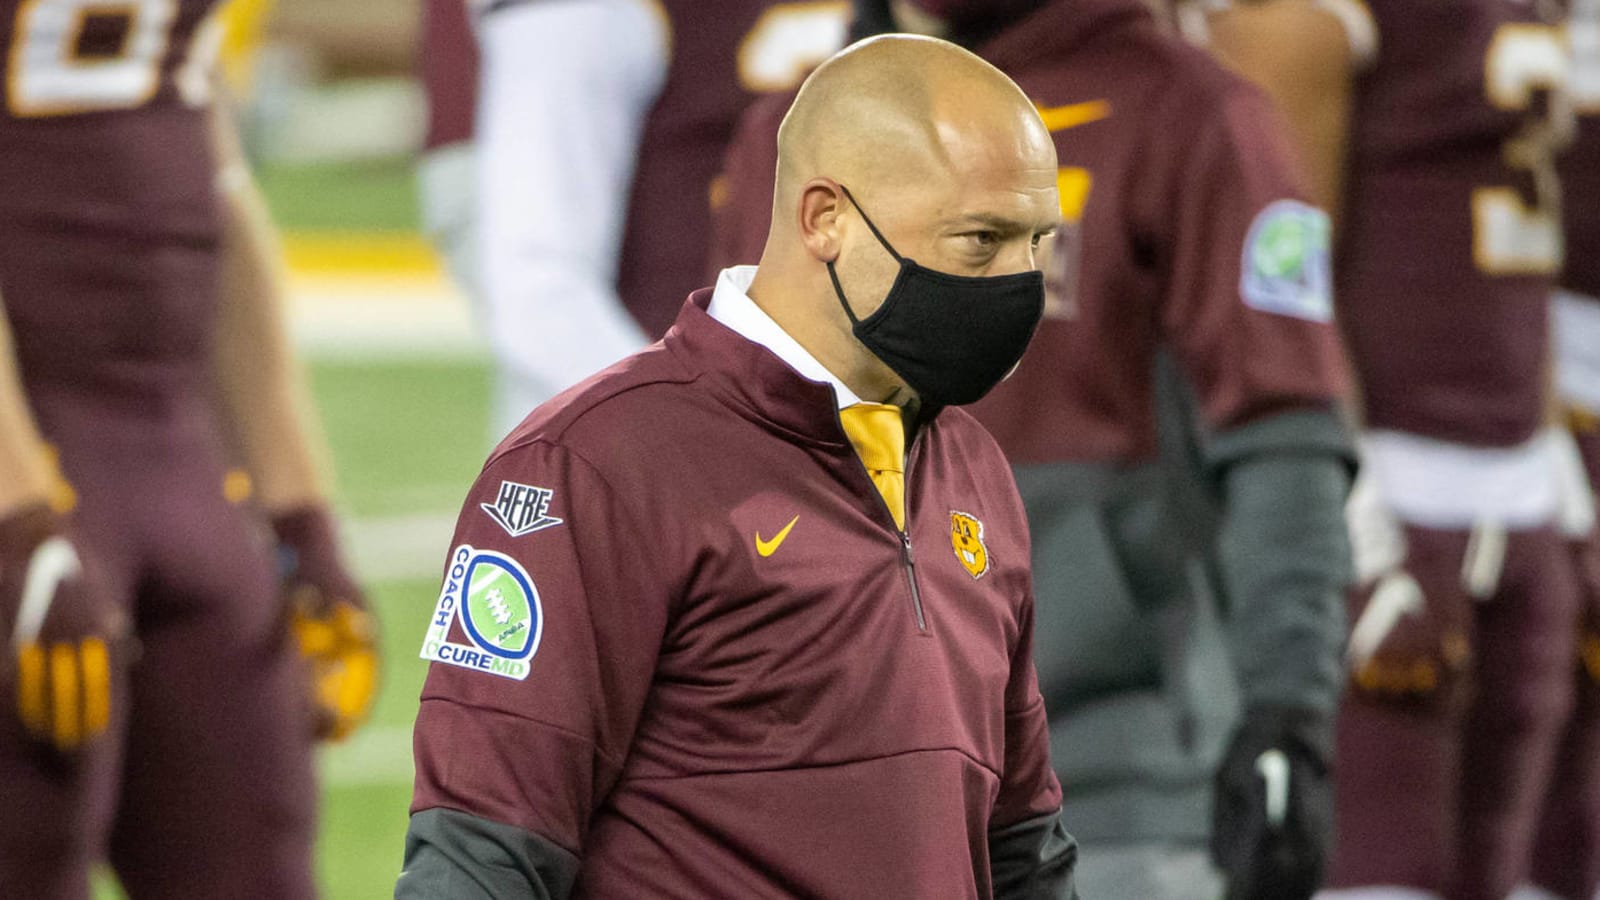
[{"x": 946, "y": 157}]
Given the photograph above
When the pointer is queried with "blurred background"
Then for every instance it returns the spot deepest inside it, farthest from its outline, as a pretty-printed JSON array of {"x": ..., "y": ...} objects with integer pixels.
[
  {"x": 332, "y": 108},
  {"x": 333, "y": 118}
]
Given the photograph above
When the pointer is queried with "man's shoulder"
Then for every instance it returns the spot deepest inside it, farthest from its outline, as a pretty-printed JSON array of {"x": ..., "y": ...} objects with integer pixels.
[
  {"x": 613, "y": 405},
  {"x": 1218, "y": 113},
  {"x": 1157, "y": 83},
  {"x": 1201, "y": 85},
  {"x": 956, "y": 429}
]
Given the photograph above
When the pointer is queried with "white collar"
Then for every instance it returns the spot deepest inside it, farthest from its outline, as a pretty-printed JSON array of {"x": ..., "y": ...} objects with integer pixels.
[{"x": 732, "y": 306}]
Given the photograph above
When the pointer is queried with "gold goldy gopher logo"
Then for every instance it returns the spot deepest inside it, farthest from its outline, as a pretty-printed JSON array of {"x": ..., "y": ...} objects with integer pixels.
[{"x": 966, "y": 536}]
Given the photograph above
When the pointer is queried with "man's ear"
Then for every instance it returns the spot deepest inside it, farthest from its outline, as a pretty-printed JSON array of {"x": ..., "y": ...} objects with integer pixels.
[{"x": 821, "y": 201}]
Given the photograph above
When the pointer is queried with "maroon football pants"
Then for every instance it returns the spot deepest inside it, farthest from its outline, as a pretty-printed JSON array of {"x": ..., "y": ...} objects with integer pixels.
[
  {"x": 207, "y": 788},
  {"x": 1446, "y": 797},
  {"x": 1566, "y": 859}
]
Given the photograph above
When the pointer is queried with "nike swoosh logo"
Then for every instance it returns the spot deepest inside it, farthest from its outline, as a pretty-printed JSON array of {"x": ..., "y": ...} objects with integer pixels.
[
  {"x": 1060, "y": 118},
  {"x": 53, "y": 562},
  {"x": 767, "y": 548}
]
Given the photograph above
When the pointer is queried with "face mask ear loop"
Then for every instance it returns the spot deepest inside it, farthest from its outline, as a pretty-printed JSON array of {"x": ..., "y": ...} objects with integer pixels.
[
  {"x": 875, "y": 232},
  {"x": 837, "y": 289}
]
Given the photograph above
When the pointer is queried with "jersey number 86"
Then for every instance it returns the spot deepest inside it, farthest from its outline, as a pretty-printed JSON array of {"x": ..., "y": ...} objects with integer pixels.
[{"x": 80, "y": 56}]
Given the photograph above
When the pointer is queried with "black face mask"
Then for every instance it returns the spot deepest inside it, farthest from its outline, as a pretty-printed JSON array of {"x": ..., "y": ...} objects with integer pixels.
[{"x": 951, "y": 337}]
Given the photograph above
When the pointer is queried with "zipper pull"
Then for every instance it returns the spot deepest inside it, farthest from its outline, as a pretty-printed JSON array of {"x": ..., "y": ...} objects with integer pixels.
[{"x": 905, "y": 541}]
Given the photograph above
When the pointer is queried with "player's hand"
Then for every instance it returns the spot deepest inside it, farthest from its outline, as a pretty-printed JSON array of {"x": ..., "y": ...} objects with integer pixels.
[
  {"x": 333, "y": 626},
  {"x": 64, "y": 642},
  {"x": 1576, "y": 519},
  {"x": 1405, "y": 648},
  {"x": 1272, "y": 821}
]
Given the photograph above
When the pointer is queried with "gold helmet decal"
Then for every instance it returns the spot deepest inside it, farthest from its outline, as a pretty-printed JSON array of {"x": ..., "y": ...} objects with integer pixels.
[{"x": 966, "y": 536}]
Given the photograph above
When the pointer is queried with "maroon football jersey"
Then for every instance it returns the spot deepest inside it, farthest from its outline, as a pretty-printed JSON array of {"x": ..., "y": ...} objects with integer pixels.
[
  {"x": 108, "y": 209},
  {"x": 1154, "y": 252},
  {"x": 1581, "y": 188},
  {"x": 724, "y": 53},
  {"x": 447, "y": 63},
  {"x": 1580, "y": 170},
  {"x": 1451, "y": 238},
  {"x": 681, "y": 636}
]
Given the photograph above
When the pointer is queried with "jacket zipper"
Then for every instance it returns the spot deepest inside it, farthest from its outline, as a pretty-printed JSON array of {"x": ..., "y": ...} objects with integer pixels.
[
  {"x": 907, "y": 556},
  {"x": 910, "y": 562}
]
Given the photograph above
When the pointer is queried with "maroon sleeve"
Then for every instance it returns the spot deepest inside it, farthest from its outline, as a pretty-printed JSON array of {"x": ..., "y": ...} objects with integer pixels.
[
  {"x": 1249, "y": 293},
  {"x": 542, "y": 646},
  {"x": 1028, "y": 786},
  {"x": 742, "y": 209},
  {"x": 447, "y": 62}
]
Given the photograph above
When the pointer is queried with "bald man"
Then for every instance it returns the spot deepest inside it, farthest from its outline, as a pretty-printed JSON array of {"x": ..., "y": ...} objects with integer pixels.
[
  {"x": 749, "y": 614},
  {"x": 1174, "y": 727}
]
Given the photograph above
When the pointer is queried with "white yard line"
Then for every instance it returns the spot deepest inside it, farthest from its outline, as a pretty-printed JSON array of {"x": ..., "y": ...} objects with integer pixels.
[
  {"x": 371, "y": 316},
  {"x": 392, "y": 548}
]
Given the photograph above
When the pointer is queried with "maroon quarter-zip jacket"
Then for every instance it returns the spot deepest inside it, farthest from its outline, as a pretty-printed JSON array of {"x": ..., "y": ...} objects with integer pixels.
[{"x": 681, "y": 638}]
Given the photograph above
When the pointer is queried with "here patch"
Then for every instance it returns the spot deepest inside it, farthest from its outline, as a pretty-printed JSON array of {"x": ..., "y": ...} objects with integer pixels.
[
  {"x": 498, "y": 608},
  {"x": 1285, "y": 268}
]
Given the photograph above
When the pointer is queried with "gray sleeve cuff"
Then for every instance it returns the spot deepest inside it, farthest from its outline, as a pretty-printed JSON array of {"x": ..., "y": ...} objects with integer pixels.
[
  {"x": 1312, "y": 432},
  {"x": 452, "y": 855},
  {"x": 1035, "y": 859},
  {"x": 1284, "y": 555}
]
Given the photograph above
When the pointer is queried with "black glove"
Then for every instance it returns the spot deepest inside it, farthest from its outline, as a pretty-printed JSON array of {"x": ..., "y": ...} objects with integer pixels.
[{"x": 1272, "y": 822}]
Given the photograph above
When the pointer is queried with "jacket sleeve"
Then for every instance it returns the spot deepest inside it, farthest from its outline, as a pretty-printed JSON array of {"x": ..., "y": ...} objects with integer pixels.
[
  {"x": 1248, "y": 310},
  {"x": 1249, "y": 316},
  {"x": 1284, "y": 555},
  {"x": 452, "y": 855},
  {"x": 542, "y": 649},
  {"x": 1031, "y": 856}
]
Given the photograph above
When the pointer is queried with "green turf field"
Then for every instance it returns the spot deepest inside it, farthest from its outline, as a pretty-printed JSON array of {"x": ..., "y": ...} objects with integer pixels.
[{"x": 407, "y": 438}]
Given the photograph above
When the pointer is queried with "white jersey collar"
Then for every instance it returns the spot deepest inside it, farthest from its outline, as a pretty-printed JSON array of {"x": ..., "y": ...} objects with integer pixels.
[{"x": 732, "y": 306}]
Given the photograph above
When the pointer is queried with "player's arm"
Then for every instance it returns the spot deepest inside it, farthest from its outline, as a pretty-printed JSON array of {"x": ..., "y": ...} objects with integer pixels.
[
  {"x": 27, "y": 473},
  {"x": 1031, "y": 855},
  {"x": 268, "y": 412},
  {"x": 1249, "y": 317},
  {"x": 523, "y": 729},
  {"x": 62, "y": 642},
  {"x": 262, "y": 388},
  {"x": 1305, "y": 54},
  {"x": 447, "y": 197},
  {"x": 564, "y": 91}
]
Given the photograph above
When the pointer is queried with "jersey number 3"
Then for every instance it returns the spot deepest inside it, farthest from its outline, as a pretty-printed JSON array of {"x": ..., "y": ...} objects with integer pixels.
[
  {"x": 79, "y": 56},
  {"x": 1510, "y": 235}
]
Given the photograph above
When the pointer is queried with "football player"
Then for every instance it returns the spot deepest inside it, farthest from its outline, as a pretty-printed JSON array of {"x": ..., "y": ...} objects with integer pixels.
[
  {"x": 1206, "y": 252},
  {"x": 155, "y": 707},
  {"x": 601, "y": 125},
  {"x": 1566, "y": 859},
  {"x": 1462, "y": 648}
]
